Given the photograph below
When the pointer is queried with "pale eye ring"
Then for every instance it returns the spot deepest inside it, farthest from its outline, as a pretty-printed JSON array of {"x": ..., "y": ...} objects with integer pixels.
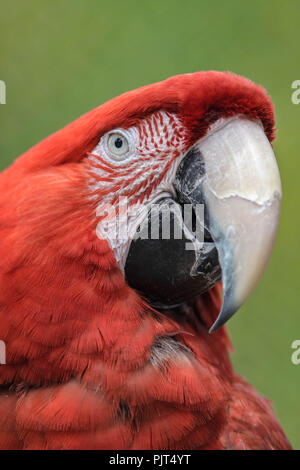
[{"x": 117, "y": 144}]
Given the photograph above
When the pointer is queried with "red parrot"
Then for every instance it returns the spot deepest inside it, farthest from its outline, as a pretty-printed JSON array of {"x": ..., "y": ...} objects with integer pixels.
[{"x": 115, "y": 339}]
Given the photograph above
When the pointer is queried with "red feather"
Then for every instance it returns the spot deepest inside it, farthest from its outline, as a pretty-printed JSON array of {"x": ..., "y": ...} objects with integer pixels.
[{"x": 79, "y": 340}]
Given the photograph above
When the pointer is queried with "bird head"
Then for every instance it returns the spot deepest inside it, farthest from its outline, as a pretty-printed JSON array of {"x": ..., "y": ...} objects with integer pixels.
[{"x": 177, "y": 178}]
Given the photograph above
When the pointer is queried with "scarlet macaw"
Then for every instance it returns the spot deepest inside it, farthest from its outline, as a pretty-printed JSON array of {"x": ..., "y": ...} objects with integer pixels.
[{"x": 107, "y": 336}]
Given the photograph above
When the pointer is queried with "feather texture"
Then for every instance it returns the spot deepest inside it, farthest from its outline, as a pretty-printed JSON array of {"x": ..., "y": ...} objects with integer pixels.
[{"x": 89, "y": 364}]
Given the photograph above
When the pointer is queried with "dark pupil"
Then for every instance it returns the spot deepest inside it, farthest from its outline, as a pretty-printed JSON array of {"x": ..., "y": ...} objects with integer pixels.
[{"x": 118, "y": 142}]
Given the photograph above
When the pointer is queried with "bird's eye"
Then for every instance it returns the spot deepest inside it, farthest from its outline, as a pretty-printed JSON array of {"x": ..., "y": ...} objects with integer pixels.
[{"x": 117, "y": 144}]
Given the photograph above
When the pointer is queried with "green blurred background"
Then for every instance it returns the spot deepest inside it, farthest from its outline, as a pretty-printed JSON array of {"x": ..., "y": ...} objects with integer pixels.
[{"x": 59, "y": 59}]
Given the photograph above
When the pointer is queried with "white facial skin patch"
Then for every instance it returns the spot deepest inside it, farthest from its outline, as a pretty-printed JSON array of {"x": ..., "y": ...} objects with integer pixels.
[{"x": 127, "y": 181}]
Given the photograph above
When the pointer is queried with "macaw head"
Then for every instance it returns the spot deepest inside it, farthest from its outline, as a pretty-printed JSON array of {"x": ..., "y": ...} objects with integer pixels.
[{"x": 179, "y": 179}]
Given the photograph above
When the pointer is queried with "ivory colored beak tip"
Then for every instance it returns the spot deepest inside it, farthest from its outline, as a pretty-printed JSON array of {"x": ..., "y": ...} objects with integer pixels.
[{"x": 242, "y": 191}]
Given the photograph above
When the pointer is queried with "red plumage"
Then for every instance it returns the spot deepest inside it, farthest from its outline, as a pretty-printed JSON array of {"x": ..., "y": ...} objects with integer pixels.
[{"x": 79, "y": 339}]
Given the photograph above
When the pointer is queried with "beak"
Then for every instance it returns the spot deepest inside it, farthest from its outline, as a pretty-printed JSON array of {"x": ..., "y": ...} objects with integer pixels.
[{"x": 233, "y": 172}]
